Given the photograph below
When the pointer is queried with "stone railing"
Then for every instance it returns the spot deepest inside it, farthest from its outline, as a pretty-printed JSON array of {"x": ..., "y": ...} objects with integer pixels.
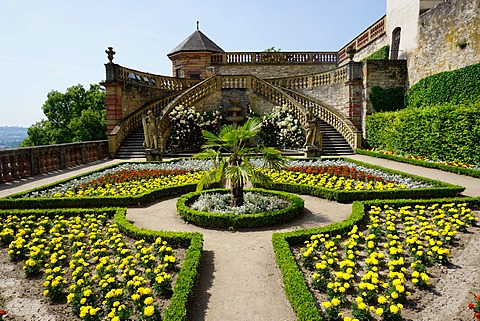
[
  {"x": 273, "y": 58},
  {"x": 133, "y": 121},
  {"x": 333, "y": 117},
  {"x": 18, "y": 163},
  {"x": 375, "y": 31},
  {"x": 279, "y": 98},
  {"x": 314, "y": 80},
  {"x": 300, "y": 104},
  {"x": 117, "y": 73},
  {"x": 297, "y": 103}
]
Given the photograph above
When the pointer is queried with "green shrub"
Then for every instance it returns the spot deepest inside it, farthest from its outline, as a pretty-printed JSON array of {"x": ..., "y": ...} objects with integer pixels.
[
  {"x": 444, "y": 132},
  {"x": 389, "y": 99},
  {"x": 381, "y": 54},
  {"x": 454, "y": 87}
]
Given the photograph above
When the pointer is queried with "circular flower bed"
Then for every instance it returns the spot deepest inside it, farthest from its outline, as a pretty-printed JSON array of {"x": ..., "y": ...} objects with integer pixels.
[{"x": 234, "y": 218}]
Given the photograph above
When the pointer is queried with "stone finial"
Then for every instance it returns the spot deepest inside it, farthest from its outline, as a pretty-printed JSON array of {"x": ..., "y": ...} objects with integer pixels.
[{"x": 110, "y": 53}]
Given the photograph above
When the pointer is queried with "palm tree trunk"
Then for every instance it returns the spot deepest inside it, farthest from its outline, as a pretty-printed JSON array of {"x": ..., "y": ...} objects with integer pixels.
[{"x": 237, "y": 195}]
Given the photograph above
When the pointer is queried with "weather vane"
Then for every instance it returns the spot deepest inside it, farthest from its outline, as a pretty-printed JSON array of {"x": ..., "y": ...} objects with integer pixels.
[{"x": 198, "y": 25}]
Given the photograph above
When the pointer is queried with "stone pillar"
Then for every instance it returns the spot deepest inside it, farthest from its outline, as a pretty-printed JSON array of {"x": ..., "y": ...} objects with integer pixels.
[{"x": 354, "y": 92}]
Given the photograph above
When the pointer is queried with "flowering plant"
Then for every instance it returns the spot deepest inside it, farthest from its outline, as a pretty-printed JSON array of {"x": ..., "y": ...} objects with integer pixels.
[
  {"x": 475, "y": 306},
  {"x": 280, "y": 128},
  {"x": 187, "y": 126}
]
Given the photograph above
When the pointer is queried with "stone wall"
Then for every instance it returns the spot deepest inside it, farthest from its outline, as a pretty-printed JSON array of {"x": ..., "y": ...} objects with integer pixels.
[
  {"x": 333, "y": 95},
  {"x": 134, "y": 97},
  {"x": 266, "y": 71},
  {"x": 382, "y": 73},
  {"x": 448, "y": 39}
]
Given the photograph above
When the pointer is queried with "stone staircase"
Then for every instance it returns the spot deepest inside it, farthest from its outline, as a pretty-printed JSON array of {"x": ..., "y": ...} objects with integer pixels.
[
  {"x": 132, "y": 146},
  {"x": 333, "y": 144}
]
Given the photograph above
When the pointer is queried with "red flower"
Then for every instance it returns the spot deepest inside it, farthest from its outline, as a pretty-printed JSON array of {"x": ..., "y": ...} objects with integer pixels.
[
  {"x": 471, "y": 306},
  {"x": 3, "y": 312}
]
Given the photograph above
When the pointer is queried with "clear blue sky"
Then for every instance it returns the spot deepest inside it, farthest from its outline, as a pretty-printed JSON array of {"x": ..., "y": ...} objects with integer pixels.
[{"x": 52, "y": 45}]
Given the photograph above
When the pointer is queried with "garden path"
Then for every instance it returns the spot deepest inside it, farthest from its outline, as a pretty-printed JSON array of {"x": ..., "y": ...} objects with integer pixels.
[{"x": 240, "y": 279}]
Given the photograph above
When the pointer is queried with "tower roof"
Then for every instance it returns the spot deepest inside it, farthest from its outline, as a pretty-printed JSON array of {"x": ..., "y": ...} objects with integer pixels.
[{"x": 197, "y": 41}]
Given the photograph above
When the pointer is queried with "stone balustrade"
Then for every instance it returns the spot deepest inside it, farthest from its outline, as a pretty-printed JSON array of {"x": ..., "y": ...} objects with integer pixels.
[
  {"x": 261, "y": 87},
  {"x": 273, "y": 58},
  {"x": 375, "y": 31},
  {"x": 18, "y": 163},
  {"x": 314, "y": 80},
  {"x": 117, "y": 73}
]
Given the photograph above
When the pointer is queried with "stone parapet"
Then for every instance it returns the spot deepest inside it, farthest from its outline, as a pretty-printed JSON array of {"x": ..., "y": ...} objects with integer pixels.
[{"x": 18, "y": 163}]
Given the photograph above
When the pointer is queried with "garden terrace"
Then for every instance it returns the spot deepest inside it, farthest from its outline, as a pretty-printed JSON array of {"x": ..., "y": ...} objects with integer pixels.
[{"x": 230, "y": 272}]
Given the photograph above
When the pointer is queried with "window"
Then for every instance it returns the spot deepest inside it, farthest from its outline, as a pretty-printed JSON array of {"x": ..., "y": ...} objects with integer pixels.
[
  {"x": 194, "y": 76},
  {"x": 395, "y": 43},
  {"x": 178, "y": 73}
]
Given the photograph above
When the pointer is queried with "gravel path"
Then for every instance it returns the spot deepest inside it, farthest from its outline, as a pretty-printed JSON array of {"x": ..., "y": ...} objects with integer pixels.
[{"x": 240, "y": 279}]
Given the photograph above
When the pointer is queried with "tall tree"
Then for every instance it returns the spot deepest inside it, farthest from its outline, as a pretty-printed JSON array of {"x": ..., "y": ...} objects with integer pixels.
[
  {"x": 76, "y": 115},
  {"x": 231, "y": 151}
]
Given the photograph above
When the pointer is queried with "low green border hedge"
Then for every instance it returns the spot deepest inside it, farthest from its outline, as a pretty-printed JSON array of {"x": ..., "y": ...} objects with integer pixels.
[
  {"x": 442, "y": 167},
  {"x": 234, "y": 221},
  {"x": 189, "y": 272},
  {"x": 14, "y": 201},
  {"x": 295, "y": 285},
  {"x": 439, "y": 190}
]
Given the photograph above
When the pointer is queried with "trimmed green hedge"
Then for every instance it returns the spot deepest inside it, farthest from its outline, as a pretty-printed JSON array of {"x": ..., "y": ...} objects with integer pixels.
[
  {"x": 295, "y": 285},
  {"x": 381, "y": 54},
  {"x": 443, "y": 167},
  {"x": 235, "y": 221},
  {"x": 15, "y": 201},
  {"x": 439, "y": 190},
  {"x": 189, "y": 271},
  {"x": 445, "y": 132},
  {"x": 454, "y": 87},
  {"x": 388, "y": 99}
]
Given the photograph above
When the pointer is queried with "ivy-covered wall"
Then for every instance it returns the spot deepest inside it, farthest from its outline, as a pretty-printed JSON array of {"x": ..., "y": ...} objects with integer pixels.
[{"x": 454, "y": 87}]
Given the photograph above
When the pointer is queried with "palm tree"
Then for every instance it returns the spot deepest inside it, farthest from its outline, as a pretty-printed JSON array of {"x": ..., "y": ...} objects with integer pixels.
[{"x": 231, "y": 152}]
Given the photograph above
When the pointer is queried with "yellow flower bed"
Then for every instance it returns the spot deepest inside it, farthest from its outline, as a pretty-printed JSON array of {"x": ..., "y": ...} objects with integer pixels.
[
  {"x": 89, "y": 261},
  {"x": 374, "y": 271}
]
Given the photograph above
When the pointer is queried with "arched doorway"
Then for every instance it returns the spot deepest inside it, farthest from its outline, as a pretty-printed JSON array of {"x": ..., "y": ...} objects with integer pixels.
[{"x": 395, "y": 43}]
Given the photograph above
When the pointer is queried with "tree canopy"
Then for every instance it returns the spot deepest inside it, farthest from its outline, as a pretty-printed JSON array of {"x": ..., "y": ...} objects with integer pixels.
[{"x": 73, "y": 116}]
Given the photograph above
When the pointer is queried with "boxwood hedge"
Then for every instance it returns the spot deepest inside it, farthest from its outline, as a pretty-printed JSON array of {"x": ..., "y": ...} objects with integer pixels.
[{"x": 234, "y": 221}]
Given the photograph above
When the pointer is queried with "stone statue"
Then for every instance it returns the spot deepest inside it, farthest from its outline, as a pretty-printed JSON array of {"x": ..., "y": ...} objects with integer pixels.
[
  {"x": 153, "y": 132},
  {"x": 313, "y": 133}
]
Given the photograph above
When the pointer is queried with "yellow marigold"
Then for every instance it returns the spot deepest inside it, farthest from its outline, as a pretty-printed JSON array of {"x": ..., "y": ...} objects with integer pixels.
[{"x": 149, "y": 310}]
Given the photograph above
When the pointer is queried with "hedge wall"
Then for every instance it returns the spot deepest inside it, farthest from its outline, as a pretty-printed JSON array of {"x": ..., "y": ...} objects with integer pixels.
[
  {"x": 444, "y": 132},
  {"x": 388, "y": 99},
  {"x": 454, "y": 87}
]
